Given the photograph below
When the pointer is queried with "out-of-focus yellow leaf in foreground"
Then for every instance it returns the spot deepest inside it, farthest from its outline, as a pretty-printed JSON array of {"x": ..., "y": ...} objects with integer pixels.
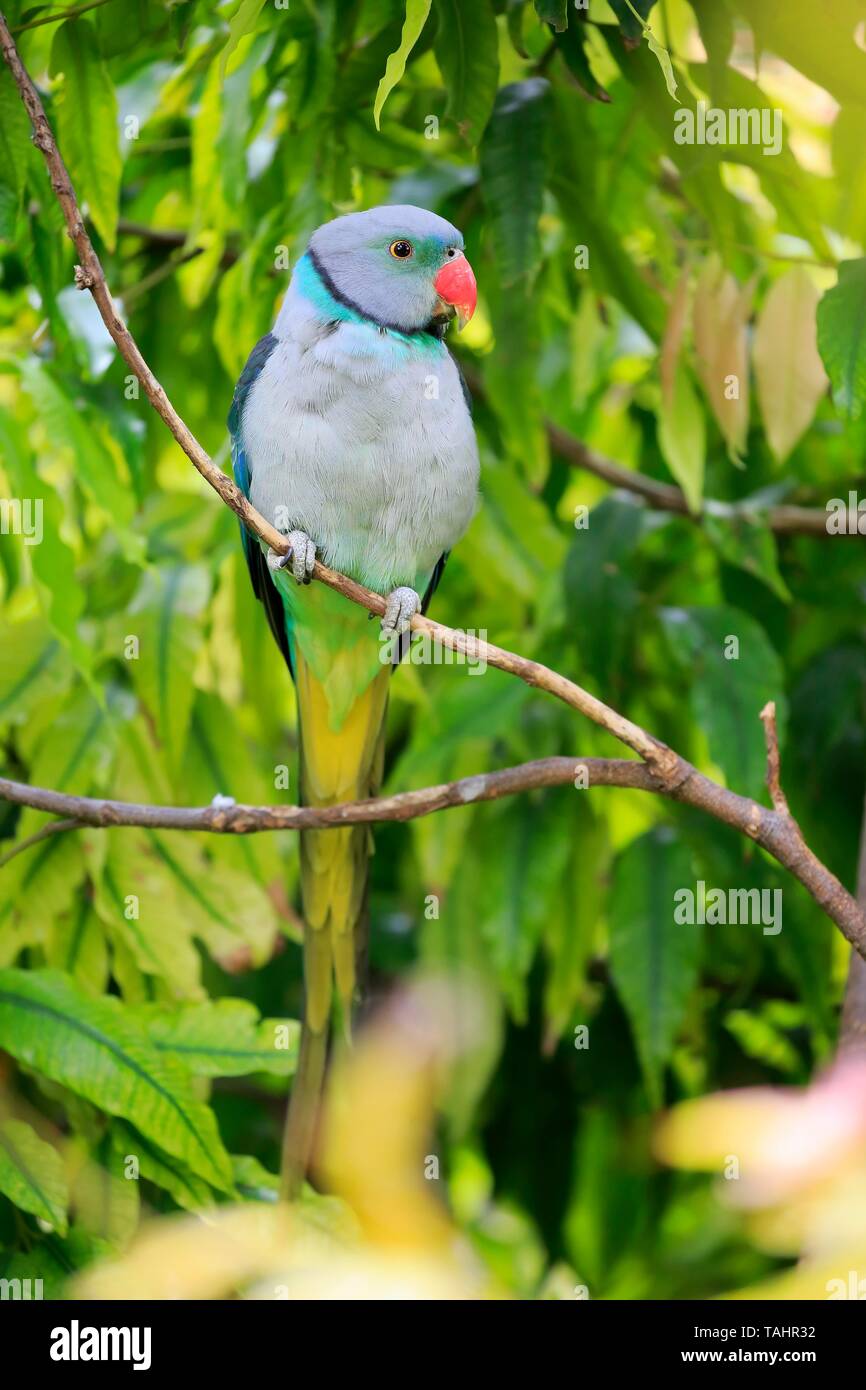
[{"x": 383, "y": 1235}]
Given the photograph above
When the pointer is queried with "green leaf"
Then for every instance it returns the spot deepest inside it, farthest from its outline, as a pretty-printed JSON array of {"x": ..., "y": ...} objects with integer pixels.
[
  {"x": 663, "y": 58},
  {"x": 683, "y": 437},
  {"x": 242, "y": 22},
  {"x": 600, "y": 588},
  {"x": 160, "y": 1168},
  {"x": 631, "y": 24},
  {"x": 71, "y": 429},
  {"x": 165, "y": 618},
  {"x": 223, "y": 1037},
  {"x": 32, "y": 1174},
  {"x": 524, "y": 890},
  {"x": 572, "y": 45},
  {"x": 842, "y": 336},
  {"x": 513, "y": 162},
  {"x": 14, "y": 153},
  {"x": 32, "y": 664},
  {"x": 653, "y": 960},
  {"x": 467, "y": 51},
  {"x": 54, "y": 563},
  {"x": 734, "y": 671},
  {"x": 416, "y": 17},
  {"x": 554, "y": 13},
  {"x": 93, "y": 1047},
  {"x": 747, "y": 542},
  {"x": 87, "y": 123}
]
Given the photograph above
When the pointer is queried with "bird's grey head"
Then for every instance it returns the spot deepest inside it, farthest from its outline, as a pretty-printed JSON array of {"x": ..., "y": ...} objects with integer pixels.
[{"x": 398, "y": 266}]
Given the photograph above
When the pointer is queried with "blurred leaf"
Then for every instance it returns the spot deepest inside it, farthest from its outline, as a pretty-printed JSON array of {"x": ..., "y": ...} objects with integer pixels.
[
  {"x": 600, "y": 591},
  {"x": 87, "y": 122},
  {"x": 734, "y": 672},
  {"x": 467, "y": 51},
  {"x": 242, "y": 22},
  {"x": 842, "y": 336},
  {"x": 682, "y": 437},
  {"x": 654, "y": 961},
  {"x": 32, "y": 1175},
  {"x": 720, "y": 313},
  {"x": 553, "y": 12},
  {"x": 788, "y": 370},
  {"x": 14, "y": 153},
  {"x": 416, "y": 17},
  {"x": 747, "y": 542},
  {"x": 164, "y": 618},
  {"x": 513, "y": 158}
]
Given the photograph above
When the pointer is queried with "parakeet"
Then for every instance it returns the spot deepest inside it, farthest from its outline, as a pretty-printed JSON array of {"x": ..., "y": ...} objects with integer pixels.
[{"x": 352, "y": 434}]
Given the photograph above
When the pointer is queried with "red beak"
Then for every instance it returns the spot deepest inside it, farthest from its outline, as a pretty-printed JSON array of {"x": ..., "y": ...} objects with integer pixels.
[{"x": 456, "y": 287}]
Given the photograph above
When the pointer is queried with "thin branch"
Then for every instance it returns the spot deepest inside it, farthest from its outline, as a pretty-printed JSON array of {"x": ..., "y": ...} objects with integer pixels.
[
  {"x": 776, "y": 831},
  {"x": 852, "y": 1028},
  {"x": 54, "y": 827},
  {"x": 665, "y": 770},
  {"x": 774, "y": 785},
  {"x": 59, "y": 16}
]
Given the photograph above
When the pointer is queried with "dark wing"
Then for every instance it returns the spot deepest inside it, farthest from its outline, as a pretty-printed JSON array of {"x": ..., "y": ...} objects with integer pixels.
[
  {"x": 263, "y": 588},
  {"x": 435, "y": 577}
]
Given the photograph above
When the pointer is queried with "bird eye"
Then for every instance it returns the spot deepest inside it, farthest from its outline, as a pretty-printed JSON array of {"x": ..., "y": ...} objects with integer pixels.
[{"x": 401, "y": 250}]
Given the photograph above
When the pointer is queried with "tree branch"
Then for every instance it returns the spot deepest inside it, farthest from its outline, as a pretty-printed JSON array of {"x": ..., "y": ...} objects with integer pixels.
[{"x": 664, "y": 771}]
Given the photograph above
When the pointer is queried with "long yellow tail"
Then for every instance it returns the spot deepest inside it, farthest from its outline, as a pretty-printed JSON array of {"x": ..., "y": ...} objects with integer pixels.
[{"x": 341, "y": 765}]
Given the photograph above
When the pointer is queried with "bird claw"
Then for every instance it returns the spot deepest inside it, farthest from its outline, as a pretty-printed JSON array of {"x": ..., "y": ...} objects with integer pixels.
[
  {"x": 301, "y": 557},
  {"x": 401, "y": 605}
]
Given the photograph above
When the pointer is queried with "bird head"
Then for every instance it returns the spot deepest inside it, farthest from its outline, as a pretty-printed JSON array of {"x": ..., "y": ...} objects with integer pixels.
[{"x": 401, "y": 267}]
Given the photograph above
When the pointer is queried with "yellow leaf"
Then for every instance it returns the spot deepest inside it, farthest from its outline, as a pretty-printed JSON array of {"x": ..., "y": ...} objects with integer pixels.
[
  {"x": 789, "y": 374},
  {"x": 720, "y": 313}
]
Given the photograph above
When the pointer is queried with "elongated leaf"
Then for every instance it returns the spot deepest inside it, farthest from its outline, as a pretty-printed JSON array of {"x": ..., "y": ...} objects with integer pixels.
[
  {"x": 70, "y": 430},
  {"x": 416, "y": 17},
  {"x": 160, "y": 1168},
  {"x": 653, "y": 960},
  {"x": 93, "y": 1048},
  {"x": 32, "y": 1174},
  {"x": 467, "y": 51},
  {"x": 553, "y": 12},
  {"x": 164, "y": 617},
  {"x": 32, "y": 665},
  {"x": 223, "y": 1037},
  {"x": 720, "y": 313},
  {"x": 682, "y": 437},
  {"x": 842, "y": 336},
  {"x": 243, "y": 22},
  {"x": 788, "y": 371},
  {"x": 748, "y": 543},
  {"x": 734, "y": 671},
  {"x": 87, "y": 123},
  {"x": 14, "y": 152},
  {"x": 513, "y": 161}
]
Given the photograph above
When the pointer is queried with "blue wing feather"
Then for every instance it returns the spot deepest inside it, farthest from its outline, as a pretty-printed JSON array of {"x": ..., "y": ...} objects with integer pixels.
[{"x": 263, "y": 587}]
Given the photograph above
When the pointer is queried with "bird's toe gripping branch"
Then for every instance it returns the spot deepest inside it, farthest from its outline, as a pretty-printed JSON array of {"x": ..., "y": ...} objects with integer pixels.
[
  {"x": 301, "y": 557},
  {"x": 401, "y": 605}
]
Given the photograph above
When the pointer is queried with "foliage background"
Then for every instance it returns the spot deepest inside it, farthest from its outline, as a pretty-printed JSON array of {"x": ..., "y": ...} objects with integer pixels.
[{"x": 207, "y": 141}]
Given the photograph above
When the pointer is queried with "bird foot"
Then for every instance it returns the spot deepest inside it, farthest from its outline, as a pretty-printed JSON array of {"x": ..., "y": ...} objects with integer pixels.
[
  {"x": 401, "y": 605},
  {"x": 301, "y": 557}
]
